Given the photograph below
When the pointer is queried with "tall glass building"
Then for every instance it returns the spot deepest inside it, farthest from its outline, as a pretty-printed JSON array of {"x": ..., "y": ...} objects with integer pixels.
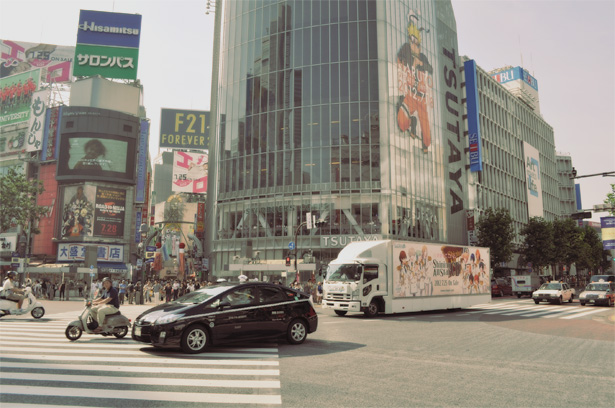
[{"x": 350, "y": 110}]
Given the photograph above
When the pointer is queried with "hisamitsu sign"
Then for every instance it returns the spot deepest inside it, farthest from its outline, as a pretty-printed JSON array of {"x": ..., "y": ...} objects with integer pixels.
[{"x": 184, "y": 129}]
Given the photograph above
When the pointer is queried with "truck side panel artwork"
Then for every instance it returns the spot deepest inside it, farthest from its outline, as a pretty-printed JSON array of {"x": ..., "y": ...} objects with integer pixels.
[{"x": 403, "y": 276}]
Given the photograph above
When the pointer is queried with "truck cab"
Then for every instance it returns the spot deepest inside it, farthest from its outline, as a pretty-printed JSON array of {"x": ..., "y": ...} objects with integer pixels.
[{"x": 355, "y": 287}]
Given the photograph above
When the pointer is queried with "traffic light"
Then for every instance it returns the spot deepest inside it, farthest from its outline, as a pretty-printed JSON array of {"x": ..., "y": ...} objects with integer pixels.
[{"x": 288, "y": 261}]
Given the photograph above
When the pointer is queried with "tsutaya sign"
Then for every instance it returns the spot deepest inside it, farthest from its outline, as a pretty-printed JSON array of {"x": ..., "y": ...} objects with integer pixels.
[{"x": 340, "y": 241}]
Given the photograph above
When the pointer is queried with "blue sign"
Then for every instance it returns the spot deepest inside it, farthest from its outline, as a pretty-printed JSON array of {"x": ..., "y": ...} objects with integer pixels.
[
  {"x": 150, "y": 253},
  {"x": 474, "y": 138},
  {"x": 111, "y": 29},
  {"x": 291, "y": 246},
  {"x": 608, "y": 232},
  {"x": 515, "y": 73},
  {"x": 142, "y": 162},
  {"x": 138, "y": 229},
  {"x": 577, "y": 192}
]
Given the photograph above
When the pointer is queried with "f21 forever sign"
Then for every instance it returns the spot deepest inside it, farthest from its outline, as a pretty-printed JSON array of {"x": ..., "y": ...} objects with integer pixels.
[{"x": 184, "y": 129}]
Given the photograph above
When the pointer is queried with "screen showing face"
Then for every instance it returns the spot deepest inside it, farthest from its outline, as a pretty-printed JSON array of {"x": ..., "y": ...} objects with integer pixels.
[{"x": 96, "y": 156}]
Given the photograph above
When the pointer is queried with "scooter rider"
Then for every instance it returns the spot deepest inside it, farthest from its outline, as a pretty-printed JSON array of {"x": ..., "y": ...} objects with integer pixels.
[
  {"x": 11, "y": 292},
  {"x": 108, "y": 303}
]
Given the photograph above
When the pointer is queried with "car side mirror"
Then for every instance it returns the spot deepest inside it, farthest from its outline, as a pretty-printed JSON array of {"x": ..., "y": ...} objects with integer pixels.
[{"x": 225, "y": 304}]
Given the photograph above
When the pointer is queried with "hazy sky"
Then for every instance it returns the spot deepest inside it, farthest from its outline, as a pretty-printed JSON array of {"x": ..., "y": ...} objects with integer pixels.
[{"x": 568, "y": 46}]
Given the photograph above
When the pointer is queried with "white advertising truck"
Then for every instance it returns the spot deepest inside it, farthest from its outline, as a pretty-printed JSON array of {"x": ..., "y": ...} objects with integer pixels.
[
  {"x": 403, "y": 276},
  {"x": 524, "y": 284}
]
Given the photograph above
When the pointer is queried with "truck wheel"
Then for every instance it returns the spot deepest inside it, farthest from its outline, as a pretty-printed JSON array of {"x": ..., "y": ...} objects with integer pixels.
[
  {"x": 536, "y": 301},
  {"x": 341, "y": 312},
  {"x": 582, "y": 303},
  {"x": 372, "y": 309},
  {"x": 571, "y": 297},
  {"x": 518, "y": 295}
]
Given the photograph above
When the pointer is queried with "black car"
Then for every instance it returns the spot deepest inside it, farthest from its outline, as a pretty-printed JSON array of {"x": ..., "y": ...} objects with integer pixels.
[{"x": 228, "y": 313}]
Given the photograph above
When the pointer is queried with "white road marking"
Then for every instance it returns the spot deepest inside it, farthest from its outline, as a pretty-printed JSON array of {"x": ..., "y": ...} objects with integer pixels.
[
  {"x": 101, "y": 379},
  {"x": 587, "y": 312},
  {"x": 177, "y": 397}
]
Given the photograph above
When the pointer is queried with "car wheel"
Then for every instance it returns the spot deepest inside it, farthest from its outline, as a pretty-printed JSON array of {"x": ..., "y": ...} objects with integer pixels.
[
  {"x": 37, "y": 312},
  {"x": 536, "y": 301},
  {"x": 194, "y": 339},
  {"x": 571, "y": 297},
  {"x": 73, "y": 332},
  {"x": 582, "y": 303},
  {"x": 122, "y": 333},
  {"x": 341, "y": 312},
  {"x": 296, "y": 332},
  {"x": 372, "y": 309},
  {"x": 560, "y": 301}
]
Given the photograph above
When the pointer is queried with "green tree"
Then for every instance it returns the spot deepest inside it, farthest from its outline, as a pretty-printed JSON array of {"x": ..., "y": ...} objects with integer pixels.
[
  {"x": 496, "y": 232},
  {"x": 590, "y": 250},
  {"x": 18, "y": 206},
  {"x": 538, "y": 243},
  {"x": 567, "y": 239},
  {"x": 610, "y": 200}
]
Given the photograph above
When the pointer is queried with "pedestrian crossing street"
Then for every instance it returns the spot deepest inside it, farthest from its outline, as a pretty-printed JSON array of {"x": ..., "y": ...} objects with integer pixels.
[
  {"x": 40, "y": 367},
  {"x": 525, "y": 308}
]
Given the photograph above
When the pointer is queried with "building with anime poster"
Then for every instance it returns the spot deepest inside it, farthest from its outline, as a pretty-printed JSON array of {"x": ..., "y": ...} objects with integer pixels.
[{"x": 348, "y": 110}]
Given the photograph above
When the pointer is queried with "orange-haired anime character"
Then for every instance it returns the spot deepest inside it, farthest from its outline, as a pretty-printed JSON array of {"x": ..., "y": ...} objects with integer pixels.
[{"x": 414, "y": 81}]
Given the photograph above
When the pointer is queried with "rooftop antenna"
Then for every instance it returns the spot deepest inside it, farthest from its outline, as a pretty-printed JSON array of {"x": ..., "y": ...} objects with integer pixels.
[{"x": 520, "y": 50}]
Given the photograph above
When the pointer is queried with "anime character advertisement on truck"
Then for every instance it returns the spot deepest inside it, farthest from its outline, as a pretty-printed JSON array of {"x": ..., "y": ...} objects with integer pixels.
[{"x": 436, "y": 270}]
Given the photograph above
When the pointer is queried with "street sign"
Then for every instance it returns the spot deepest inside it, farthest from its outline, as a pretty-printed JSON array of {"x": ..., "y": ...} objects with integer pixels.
[
  {"x": 91, "y": 268},
  {"x": 581, "y": 215},
  {"x": 150, "y": 253},
  {"x": 92, "y": 274},
  {"x": 291, "y": 245}
]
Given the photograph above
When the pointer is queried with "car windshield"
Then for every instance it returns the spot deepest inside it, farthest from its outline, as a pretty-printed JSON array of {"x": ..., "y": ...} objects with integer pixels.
[
  {"x": 551, "y": 286},
  {"x": 344, "y": 273},
  {"x": 603, "y": 287},
  {"x": 201, "y": 295}
]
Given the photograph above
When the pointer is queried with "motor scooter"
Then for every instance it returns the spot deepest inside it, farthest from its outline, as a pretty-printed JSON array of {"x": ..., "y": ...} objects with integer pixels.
[
  {"x": 9, "y": 307},
  {"x": 115, "y": 324}
]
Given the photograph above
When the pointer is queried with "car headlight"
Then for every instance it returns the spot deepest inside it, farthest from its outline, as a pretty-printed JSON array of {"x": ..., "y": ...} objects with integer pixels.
[
  {"x": 170, "y": 318},
  {"x": 554, "y": 295},
  {"x": 602, "y": 296}
]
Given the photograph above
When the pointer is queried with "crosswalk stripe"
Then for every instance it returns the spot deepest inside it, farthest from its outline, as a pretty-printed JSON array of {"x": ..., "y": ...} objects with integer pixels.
[
  {"x": 563, "y": 312},
  {"x": 126, "y": 352},
  {"x": 144, "y": 395},
  {"x": 509, "y": 309},
  {"x": 524, "y": 310},
  {"x": 125, "y": 360},
  {"x": 588, "y": 312},
  {"x": 100, "y": 379},
  {"x": 19, "y": 405},
  {"x": 145, "y": 369}
]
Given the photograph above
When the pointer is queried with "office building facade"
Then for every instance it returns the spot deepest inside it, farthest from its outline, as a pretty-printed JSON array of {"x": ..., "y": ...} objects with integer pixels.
[{"x": 348, "y": 110}]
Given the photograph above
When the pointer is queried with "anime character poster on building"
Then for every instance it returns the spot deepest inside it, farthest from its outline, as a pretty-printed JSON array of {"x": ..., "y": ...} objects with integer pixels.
[
  {"x": 436, "y": 270},
  {"x": 415, "y": 83},
  {"x": 109, "y": 213},
  {"x": 78, "y": 211}
]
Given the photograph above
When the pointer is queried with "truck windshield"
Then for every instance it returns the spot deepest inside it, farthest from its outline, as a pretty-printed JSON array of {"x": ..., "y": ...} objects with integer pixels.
[{"x": 344, "y": 273}]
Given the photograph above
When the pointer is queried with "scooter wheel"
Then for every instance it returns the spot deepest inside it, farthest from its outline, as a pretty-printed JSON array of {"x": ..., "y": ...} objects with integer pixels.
[
  {"x": 38, "y": 312},
  {"x": 73, "y": 333},
  {"x": 122, "y": 333}
]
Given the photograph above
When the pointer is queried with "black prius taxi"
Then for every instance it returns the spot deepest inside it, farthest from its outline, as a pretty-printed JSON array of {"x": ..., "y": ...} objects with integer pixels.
[{"x": 227, "y": 313}]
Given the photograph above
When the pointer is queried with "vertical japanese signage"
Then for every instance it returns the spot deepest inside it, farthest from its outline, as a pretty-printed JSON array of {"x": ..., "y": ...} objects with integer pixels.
[
  {"x": 608, "y": 232},
  {"x": 200, "y": 218},
  {"x": 109, "y": 213},
  {"x": 472, "y": 103},
  {"x": 533, "y": 180},
  {"x": 107, "y": 44},
  {"x": 142, "y": 162},
  {"x": 36, "y": 129}
]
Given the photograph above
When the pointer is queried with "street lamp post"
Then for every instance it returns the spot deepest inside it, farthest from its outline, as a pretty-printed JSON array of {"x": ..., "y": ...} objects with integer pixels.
[{"x": 297, "y": 247}]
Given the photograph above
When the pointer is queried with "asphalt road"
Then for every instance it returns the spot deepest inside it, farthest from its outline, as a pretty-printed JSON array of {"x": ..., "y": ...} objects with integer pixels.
[{"x": 509, "y": 353}]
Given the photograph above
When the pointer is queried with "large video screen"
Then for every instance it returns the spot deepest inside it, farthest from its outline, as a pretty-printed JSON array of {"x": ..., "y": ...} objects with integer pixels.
[{"x": 96, "y": 156}]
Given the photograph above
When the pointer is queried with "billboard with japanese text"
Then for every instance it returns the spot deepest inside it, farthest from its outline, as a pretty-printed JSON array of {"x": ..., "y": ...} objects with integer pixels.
[
  {"x": 16, "y": 96},
  {"x": 55, "y": 61},
  {"x": 109, "y": 212},
  {"x": 76, "y": 252},
  {"x": 190, "y": 172},
  {"x": 533, "y": 180},
  {"x": 107, "y": 44}
]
